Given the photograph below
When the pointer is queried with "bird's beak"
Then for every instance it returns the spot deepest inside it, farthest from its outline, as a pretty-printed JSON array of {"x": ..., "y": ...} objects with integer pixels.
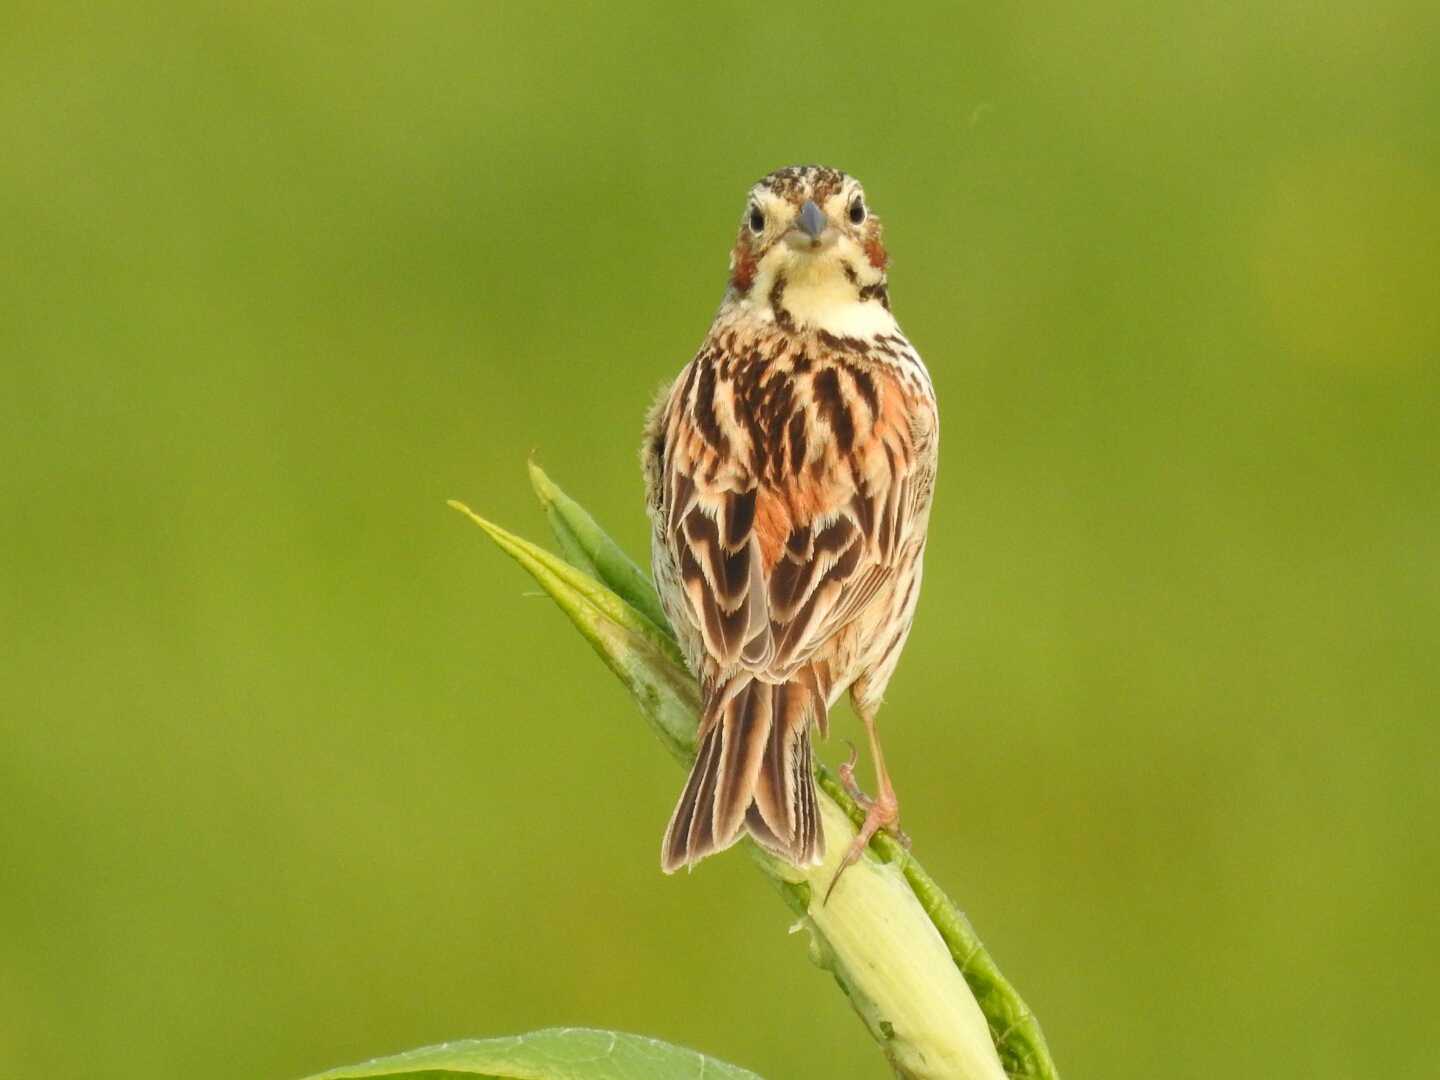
[{"x": 811, "y": 220}]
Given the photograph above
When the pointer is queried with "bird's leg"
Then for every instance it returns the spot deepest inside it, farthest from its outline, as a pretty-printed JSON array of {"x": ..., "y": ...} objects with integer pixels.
[{"x": 881, "y": 812}]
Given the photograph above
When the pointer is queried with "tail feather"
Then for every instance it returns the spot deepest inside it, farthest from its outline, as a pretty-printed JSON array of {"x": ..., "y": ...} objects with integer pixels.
[
  {"x": 744, "y": 734},
  {"x": 753, "y": 772}
]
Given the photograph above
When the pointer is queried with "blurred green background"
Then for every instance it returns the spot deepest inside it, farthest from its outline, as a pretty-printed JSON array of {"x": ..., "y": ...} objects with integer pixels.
[{"x": 295, "y": 770}]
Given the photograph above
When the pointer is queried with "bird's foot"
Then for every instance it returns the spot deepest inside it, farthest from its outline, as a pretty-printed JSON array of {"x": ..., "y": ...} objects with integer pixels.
[
  {"x": 882, "y": 812},
  {"x": 846, "y": 769}
]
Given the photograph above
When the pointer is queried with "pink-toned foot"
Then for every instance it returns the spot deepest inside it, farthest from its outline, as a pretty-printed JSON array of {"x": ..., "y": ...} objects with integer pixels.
[{"x": 883, "y": 812}]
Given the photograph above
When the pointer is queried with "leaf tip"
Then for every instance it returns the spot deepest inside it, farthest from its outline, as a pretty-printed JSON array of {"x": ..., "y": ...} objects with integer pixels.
[
  {"x": 543, "y": 486},
  {"x": 494, "y": 531}
]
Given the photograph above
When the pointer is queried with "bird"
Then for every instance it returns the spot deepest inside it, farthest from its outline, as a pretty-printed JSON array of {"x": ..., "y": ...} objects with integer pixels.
[{"x": 789, "y": 472}]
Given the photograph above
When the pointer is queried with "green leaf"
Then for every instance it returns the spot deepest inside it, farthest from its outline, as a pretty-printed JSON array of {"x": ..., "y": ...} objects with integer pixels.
[
  {"x": 1014, "y": 1028},
  {"x": 552, "y": 1054},
  {"x": 910, "y": 1004},
  {"x": 590, "y": 548},
  {"x": 646, "y": 659}
]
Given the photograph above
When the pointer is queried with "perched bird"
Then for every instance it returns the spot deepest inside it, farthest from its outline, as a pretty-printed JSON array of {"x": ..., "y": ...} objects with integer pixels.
[{"x": 789, "y": 471}]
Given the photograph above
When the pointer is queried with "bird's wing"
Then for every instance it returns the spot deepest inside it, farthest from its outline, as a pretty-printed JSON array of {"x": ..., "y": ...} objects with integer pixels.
[
  {"x": 782, "y": 527},
  {"x": 783, "y": 503}
]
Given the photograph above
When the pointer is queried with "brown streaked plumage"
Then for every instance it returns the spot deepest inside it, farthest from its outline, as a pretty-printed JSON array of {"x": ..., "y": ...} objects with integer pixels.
[{"x": 789, "y": 473}]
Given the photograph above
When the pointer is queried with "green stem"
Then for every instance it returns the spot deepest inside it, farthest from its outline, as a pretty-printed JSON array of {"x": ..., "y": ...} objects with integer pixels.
[{"x": 906, "y": 957}]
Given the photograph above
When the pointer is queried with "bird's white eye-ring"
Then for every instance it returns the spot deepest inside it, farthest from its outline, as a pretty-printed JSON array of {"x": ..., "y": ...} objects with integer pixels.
[
  {"x": 757, "y": 220},
  {"x": 857, "y": 210}
]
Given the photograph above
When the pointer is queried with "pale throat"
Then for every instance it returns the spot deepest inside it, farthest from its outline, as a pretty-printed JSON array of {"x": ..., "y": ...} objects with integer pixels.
[{"x": 818, "y": 295}]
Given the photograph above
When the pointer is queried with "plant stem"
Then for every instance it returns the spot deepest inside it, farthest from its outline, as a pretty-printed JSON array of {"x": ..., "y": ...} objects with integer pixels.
[{"x": 908, "y": 960}]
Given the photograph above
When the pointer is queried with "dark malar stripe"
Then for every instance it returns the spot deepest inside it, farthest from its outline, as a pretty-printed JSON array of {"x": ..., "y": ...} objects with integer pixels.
[
  {"x": 878, "y": 291},
  {"x": 783, "y": 318}
]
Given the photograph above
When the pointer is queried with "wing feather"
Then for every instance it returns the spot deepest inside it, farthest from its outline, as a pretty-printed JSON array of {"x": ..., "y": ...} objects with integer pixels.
[
  {"x": 768, "y": 569},
  {"x": 774, "y": 563}
]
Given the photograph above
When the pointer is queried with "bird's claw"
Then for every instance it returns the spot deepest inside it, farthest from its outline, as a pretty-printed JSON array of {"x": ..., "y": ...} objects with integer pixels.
[
  {"x": 851, "y": 857},
  {"x": 846, "y": 769},
  {"x": 882, "y": 813}
]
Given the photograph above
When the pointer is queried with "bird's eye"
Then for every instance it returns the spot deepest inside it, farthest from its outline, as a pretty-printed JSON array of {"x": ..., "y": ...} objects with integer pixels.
[
  {"x": 857, "y": 211},
  {"x": 757, "y": 220}
]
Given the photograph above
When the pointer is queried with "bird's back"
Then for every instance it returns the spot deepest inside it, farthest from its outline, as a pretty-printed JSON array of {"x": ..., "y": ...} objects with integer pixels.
[{"x": 789, "y": 472}]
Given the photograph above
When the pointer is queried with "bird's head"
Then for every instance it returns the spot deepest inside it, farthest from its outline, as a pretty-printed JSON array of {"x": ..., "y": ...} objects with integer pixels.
[{"x": 809, "y": 245}]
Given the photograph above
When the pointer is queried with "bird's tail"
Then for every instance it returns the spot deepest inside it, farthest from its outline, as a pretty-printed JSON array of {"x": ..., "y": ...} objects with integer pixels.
[{"x": 753, "y": 772}]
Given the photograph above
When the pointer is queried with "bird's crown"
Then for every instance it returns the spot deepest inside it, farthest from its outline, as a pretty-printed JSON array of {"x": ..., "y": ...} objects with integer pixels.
[{"x": 810, "y": 253}]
